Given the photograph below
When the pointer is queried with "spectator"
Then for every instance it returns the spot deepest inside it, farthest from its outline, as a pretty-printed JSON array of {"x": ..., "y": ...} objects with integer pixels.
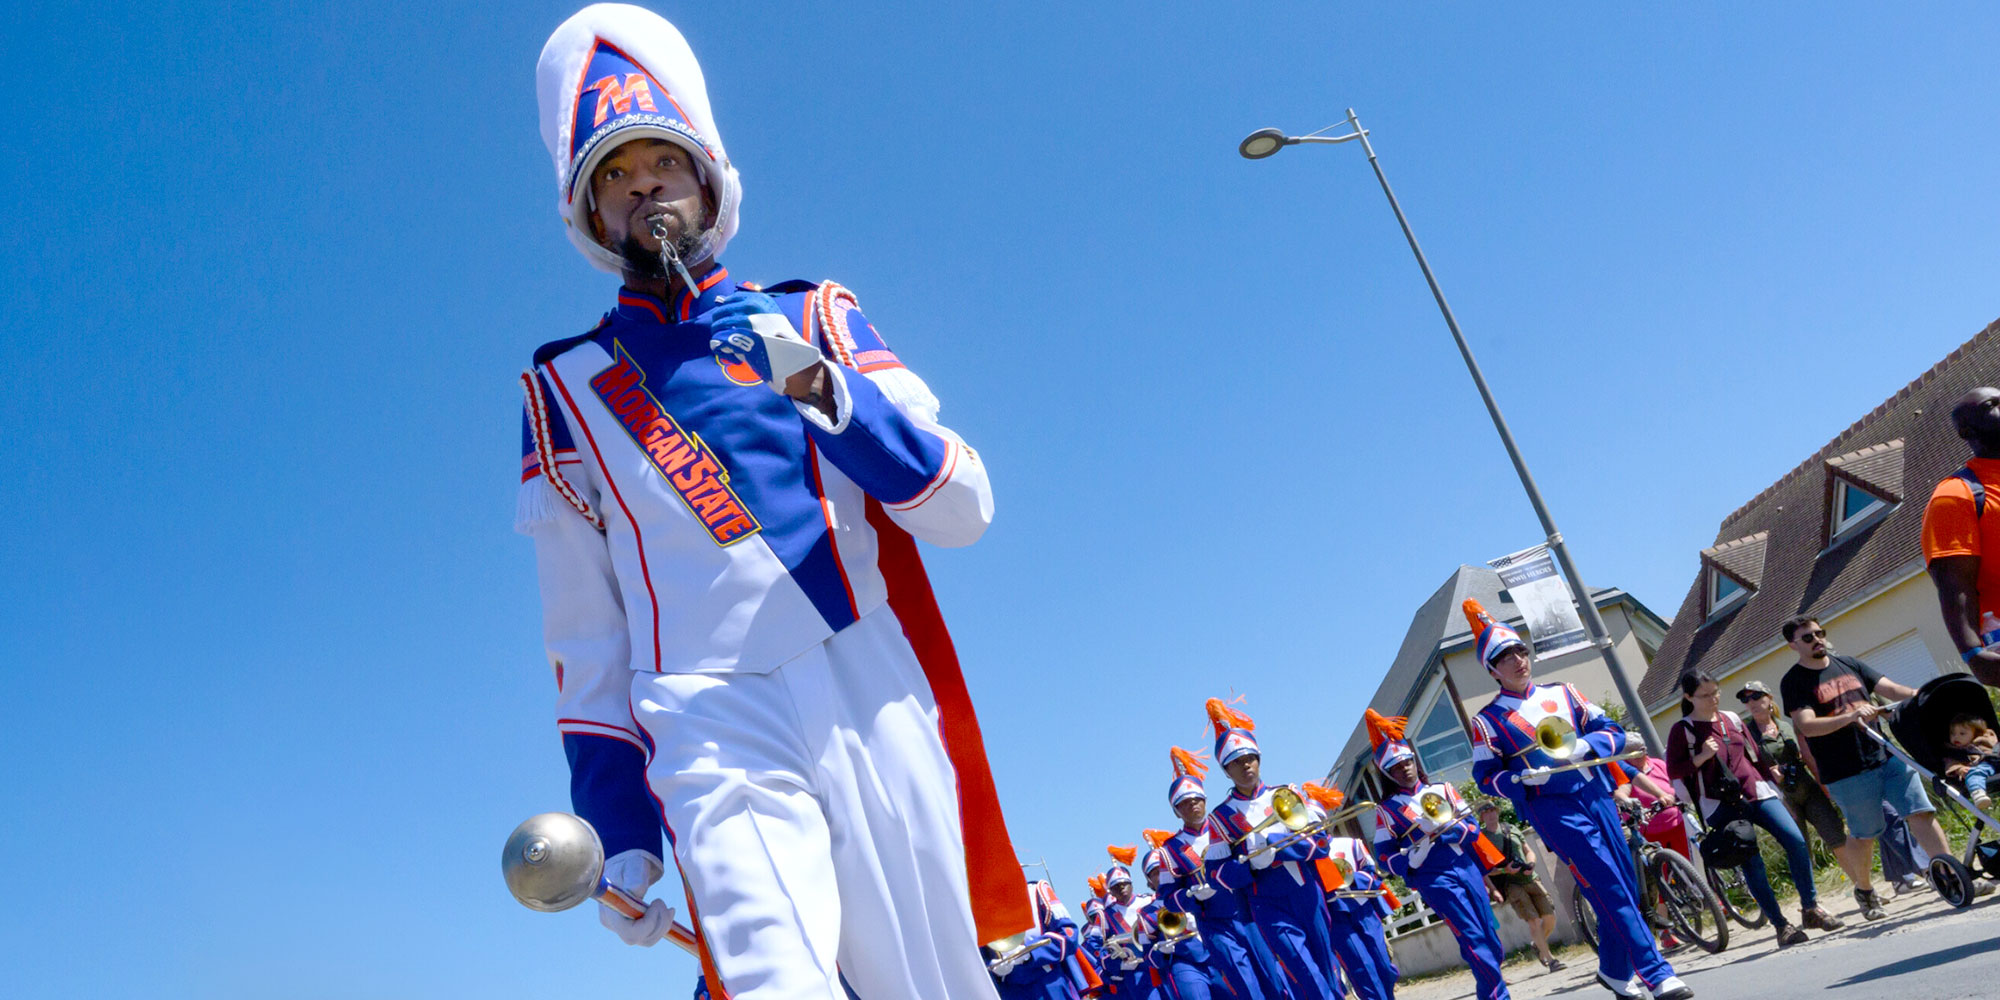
[
  {"x": 1970, "y": 761},
  {"x": 1903, "y": 861},
  {"x": 1827, "y": 697},
  {"x": 1798, "y": 778},
  {"x": 1515, "y": 882},
  {"x": 1957, "y": 532},
  {"x": 1712, "y": 753},
  {"x": 1647, "y": 791}
]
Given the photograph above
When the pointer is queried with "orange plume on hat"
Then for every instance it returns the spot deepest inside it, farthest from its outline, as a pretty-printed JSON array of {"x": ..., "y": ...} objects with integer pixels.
[
  {"x": 1157, "y": 838},
  {"x": 1328, "y": 798},
  {"x": 1123, "y": 855},
  {"x": 1187, "y": 763},
  {"x": 1382, "y": 727},
  {"x": 1097, "y": 887},
  {"x": 1225, "y": 718},
  {"x": 1476, "y": 616}
]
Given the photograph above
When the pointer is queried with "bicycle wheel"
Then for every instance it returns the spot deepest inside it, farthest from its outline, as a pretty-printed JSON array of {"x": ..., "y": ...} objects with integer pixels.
[
  {"x": 1734, "y": 895},
  {"x": 1584, "y": 917},
  {"x": 1695, "y": 911}
]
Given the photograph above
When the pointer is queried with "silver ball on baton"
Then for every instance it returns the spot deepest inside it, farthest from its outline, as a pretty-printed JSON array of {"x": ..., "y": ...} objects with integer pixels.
[{"x": 552, "y": 861}]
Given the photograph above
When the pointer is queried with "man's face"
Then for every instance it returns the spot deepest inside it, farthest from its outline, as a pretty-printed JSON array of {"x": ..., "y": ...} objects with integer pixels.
[
  {"x": 1489, "y": 820},
  {"x": 1404, "y": 773},
  {"x": 1153, "y": 880},
  {"x": 1514, "y": 669},
  {"x": 1122, "y": 892},
  {"x": 638, "y": 183},
  {"x": 1810, "y": 641},
  {"x": 1192, "y": 810},
  {"x": 1246, "y": 771},
  {"x": 1977, "y": 417}
]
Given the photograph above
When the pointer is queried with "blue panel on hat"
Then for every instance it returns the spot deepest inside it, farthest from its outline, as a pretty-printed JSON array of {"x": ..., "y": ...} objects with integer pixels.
[
  {"x": 612, "y": 88},
  {"x": 1233, "y": 744}
]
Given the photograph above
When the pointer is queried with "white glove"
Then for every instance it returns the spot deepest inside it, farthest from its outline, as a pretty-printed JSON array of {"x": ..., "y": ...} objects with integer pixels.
[
  {"x": 1202, "y": 892},
  {"x": 1253, "y": 846},
  {"x": 1002, "y": 969},
  {"x": 635, "y": 871},
  {"x": 1167, "y": 946},
  {"x": 1535, "y": 776},
  {"x": 1421, "y": 853}
]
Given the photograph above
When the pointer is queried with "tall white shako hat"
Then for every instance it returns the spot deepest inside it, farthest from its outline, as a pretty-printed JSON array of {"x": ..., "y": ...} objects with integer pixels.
[
  {"x": 1188, "y": 772},
  {"x": 613, "y": 73},
  {"x": 1233, "y": 736},
  {"x": 1386, "y": 735},
  {"x": 1494, "y": 638}
]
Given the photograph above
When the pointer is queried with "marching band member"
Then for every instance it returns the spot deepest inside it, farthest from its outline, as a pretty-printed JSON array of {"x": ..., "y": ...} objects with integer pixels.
[
  {"x": 1038, "y": 967},
  {"x": 1425, "y": 835},
  {"x": 1286, "y": 900},
  {"x": 1192, "y": 886},
  {"x": 723, "y": 485},
  {"x": 1356, "y": 900},
  {"x": 1177, "y": 954},
  {"x": 1124, "y": 968},
  {"x": 1572, "y": 809},
  {"x": 1093, "y": 930}
]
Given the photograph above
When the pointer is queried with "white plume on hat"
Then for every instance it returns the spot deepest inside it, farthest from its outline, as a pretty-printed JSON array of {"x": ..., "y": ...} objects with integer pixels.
[{"x": 646, "y": 74}]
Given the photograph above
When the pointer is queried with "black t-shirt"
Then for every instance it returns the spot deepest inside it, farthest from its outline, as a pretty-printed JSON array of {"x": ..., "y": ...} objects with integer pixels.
[{"x": 1843, "y": 683}]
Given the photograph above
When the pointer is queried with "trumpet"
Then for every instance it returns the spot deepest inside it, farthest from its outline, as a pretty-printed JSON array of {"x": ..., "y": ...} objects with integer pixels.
[
  {"x": 1118, "y": 947},
  {"x": 1175, "y": 925}
]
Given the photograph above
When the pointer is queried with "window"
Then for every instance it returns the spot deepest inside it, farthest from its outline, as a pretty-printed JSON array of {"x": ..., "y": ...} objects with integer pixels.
[
  {"x": 1723, "y": 592},
  {"x": 1440, "y": 739},
  {"x": 1851, "y": 506},
  {"x": 1904, "y": 659}
]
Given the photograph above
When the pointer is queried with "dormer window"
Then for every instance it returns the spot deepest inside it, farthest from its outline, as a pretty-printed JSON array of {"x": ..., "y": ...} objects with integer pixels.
[
  {"x": 1733, "y": 571},
  {"x": 1723, "y": 592},
  {"x": 1852, "y": 505}
]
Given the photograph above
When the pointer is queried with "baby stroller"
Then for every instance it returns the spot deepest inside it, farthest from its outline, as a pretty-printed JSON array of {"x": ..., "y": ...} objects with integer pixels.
[{"x": 1922, "y": 724}]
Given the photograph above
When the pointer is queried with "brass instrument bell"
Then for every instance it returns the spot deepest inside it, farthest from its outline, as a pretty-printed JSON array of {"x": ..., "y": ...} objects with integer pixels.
[
  {"x": 1008, "y": 948},
  {"x": 1175, "y": 925},
  {"x": 1556, "y": 737},
  {"x": 1435, "y": 808},
  {"x": 1345, "y": 868},
  {"x": 1290, "y": 809}
]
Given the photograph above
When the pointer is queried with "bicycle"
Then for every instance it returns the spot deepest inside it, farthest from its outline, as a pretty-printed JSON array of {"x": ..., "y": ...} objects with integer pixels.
[
  {"x": 1733, "y": 893},
  {"x": 1669, "y": 882}
]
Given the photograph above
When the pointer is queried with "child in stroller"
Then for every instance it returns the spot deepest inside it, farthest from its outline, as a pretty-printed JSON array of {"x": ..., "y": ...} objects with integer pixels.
[
  {"x": 1974, "y": 750},
  {"x": 1924, "y": 726}
]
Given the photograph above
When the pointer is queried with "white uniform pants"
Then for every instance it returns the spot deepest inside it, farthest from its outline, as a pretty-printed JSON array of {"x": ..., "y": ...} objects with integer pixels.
[{"x": 815, "y": 819}]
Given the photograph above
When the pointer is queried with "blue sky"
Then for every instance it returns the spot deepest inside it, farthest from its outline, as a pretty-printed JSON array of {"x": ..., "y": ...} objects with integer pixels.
[{"x": 276, "y": 692}]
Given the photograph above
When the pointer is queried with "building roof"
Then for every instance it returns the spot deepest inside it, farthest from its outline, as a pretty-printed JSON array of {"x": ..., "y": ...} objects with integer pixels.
[
  {"x": 1439, "y": 627},
  {"x": 1776, "y": 543}
]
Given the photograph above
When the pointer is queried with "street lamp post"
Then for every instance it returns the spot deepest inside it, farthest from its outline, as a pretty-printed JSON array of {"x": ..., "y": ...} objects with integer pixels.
[{"x": 1266, "y": 142}]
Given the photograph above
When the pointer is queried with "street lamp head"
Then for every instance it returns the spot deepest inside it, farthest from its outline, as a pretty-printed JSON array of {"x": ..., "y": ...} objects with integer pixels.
[{"x": 1263, "y": 143}]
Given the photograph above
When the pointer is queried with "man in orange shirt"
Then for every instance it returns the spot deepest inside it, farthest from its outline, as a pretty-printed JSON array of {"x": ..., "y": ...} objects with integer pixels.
[{"x": 1959, "y": 529}]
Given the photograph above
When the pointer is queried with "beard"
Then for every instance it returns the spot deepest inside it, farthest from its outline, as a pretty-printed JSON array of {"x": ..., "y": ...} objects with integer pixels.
[{"x": 682, "y": 238}]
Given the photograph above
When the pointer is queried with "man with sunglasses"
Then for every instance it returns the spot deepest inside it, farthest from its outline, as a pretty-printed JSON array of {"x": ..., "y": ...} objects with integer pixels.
[{"x": 1827, "y": 697}]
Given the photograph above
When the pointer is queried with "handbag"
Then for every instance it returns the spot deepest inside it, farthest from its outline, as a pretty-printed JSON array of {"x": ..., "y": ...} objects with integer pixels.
[{"x": 1730, "y": 839}]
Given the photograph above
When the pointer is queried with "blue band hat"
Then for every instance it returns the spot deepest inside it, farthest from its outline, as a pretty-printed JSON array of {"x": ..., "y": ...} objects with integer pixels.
[
  {"x": 1233, "y": 737},
  {"x": 1494, "y": 638},
  {"x": 614, "y": 73},
  {"x": 1188, "y": 772},
  {"x": 1386, "y": 735}
]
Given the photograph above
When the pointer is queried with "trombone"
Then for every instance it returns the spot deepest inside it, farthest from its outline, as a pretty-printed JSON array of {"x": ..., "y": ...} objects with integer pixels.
[
  {"x": 1010, "y": 948},
  {"x": 1557, "y": 738},
  {"x": 1175, "y": 926},
  {"x": 1308, "y": 828},
  {"x": 1286, "y": 807}
]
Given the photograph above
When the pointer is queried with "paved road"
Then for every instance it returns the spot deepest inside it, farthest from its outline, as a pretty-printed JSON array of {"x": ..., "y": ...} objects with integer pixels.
[{"x": 1924, "y": 951}]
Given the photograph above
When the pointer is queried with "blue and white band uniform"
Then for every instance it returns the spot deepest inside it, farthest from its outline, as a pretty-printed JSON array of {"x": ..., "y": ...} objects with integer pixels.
[
  {"x": 1190, "y": 882},
  {"x": 1435, "y": 856},
  {"x": 1359, "y": 941},
  {"x": 1286, "y": 900}
]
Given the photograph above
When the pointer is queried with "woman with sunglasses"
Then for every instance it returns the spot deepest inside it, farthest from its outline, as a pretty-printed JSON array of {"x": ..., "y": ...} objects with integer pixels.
[
  {"x": 1715, "y": 756},
  {"x": 1812, "y": 809}
]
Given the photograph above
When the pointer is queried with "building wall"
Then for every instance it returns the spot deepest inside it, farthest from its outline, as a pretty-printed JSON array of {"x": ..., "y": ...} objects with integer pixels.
[{"x": 1908, "y": 603}]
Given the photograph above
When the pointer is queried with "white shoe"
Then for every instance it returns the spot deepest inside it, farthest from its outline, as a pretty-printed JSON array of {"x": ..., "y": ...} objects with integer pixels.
[
  {"x": 1671, "y": 988},
  {"x": 1627, "y": 990}
]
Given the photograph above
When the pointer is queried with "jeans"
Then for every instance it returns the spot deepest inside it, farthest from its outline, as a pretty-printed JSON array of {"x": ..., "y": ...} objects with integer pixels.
[
  {"x": 1901, "y": 857},
  {"x": 1776, "y": 820},
  {"x": 1977, "y": 777}
]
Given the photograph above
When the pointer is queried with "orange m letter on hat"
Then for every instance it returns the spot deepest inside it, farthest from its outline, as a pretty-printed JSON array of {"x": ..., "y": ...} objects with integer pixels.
[{"x": 611, "y": 95}]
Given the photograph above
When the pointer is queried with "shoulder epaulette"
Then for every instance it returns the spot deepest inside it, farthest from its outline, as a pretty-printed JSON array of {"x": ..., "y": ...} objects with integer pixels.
[
  {"x": 790, "y": 287},
  {"x": 555, "y": 348}
]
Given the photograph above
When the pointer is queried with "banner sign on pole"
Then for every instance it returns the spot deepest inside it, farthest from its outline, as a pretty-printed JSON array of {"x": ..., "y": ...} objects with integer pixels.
[{"x": 1544, "y": 599}]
